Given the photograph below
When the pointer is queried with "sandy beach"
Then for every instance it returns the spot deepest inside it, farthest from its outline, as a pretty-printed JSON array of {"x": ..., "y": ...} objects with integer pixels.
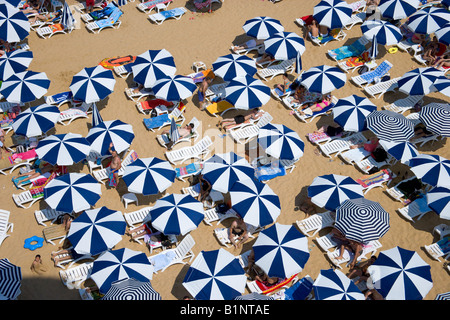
[{"x": 203, "y": 36}]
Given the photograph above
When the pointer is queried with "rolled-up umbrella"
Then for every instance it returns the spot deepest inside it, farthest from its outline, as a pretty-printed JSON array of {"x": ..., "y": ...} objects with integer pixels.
[
  {"x": 351, "y": 112},
  {"x": 390, "y": 126},
  {"x": 262, "y": 27},
  {"x": 247, "y": 93},
  {"x": 215, "y": 275},
  {"x": 10, "y": 280},
  {"x": 398, "y": 9},
  {"x": 232, "y": 66},
  {"x": 400, "y": 274},
  {"x": 14, "y": 24},
  {"x": 323, "y": 79},
  {"x": 25, "y": 86},
  {"x": 281, "y": 142},
  {"x": 333, "y": 284},
  {"x": 281, "y": 251},
  {"x": 443, "y": 34},
  {"x": 92, "y": 84},
  {"x": 119, "y": 133},
  {"x": 436, "y": 118},
  {"x": 331, "y": 190},
  {"x": 63, "y": 149},
  {"x": 384, "y": 31},
  {"x": 333, "y": 14},
  {"x": 151, "y": 66},
  {"x": 419, "y": 81},
  {"x": 439, "y": 200},
  {"x": 96, "y": 117},
  {"x": 431, "y": 169},
  {"x": 14, "y": 62},
  {"x": 362, "y": 220},
  {"x": 36, "y": 121},
  {"x": 174, "y": 88},
  {"x": 131, "y": 289},
  {"x": 96, "y": 230},
  {"x": 255, "y": 202},
  {"x": 72, "y": 192},
  {"x": 148, "y": 176},
  {"x": 402, "y": 151},
  {"x": 428, "y": 20},
  {"x": 67, "y": 18}
]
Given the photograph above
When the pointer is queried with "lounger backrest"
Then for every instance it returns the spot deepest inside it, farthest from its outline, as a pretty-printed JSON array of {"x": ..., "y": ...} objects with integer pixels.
[
  {"x": 4, "y": 220},
  {"x": 184, "y": 247},
  {"x": 265, "y": 119}
]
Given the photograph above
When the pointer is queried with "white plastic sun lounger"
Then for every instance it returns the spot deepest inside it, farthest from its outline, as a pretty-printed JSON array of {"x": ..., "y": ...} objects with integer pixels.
[
  {"x": 222, "y": 234},
  {"x": 326, "y": 242},
  {"x": 371, "y": 249},
  {"x": 137, "y": 217},
  {"x": 405, "y": 104},
  {"x": 54, "y": 232},
  {"x": 48, "y": 31},
  {"x": 244, "y": 134},
  {"x": 177, "y": 255},
  {"x": 211, "y": 215},
  {"x": 436, "y": 252},
  {"x": 5, "y": 225},
  {"x": 415, "y": 210},
  {"x": 341, "y": 144},
  {"x": 197, "y": 151},
  {"x": 276, "y": 69},
  {"x": 67, "y": 116},
  {"x": 47, "y": 214},
  {"x": 75, "y": 276},
  {"x": 163, "y": 140},
  {"x": 381, "y": 87},
  {"x": 316, "y": 222},
  {"x": 162, "y": 16},
  {"x": 157, "y": 5}
]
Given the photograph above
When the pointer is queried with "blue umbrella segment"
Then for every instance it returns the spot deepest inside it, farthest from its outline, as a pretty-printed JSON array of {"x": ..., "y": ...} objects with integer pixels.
[
  {"x": 14, "y": 62},
  {"x": 428, "y": 20},
  {"x": 436, "y": 118},
  {"x": 384, "y": 31},
  {"x": 281, "y": 142},
  {"x": 419, "y": 81},
  {"x": 36, "y": 121},
  {"x": 131, "y": 289},
  {"x": 92, "y": 84},
  {"x": 63, "y": 149},
  {"x": 10, "y": 280},
  {"x": 232, "y": 66},
  {"x": 25, "y": 86},
  {"x": 14, "y": 24},
  {"x": 262, "y": 27},
  {"x": 153, "y": 65},
  {"x": 284, "y": 45},
  {"x": 119, "y": 133},
  {"x": 402, "y": 151},
  {"x": 333, "y": 14},
  {"x": 247, "y": 93},
  {"x": 390, "y": 126},
  {"x": 398, "y": 9},
  {"x": 439, "y": 200},
  {"x": 333, "y": 284},
  {"x": 174, "y": 88},
  {"x": 431, "y": 169},
  {"x": 351, "y": 112},
  {"x": 323, "y": 79}
]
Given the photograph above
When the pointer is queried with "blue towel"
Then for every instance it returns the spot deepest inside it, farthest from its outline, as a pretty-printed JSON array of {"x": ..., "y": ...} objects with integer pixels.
[
  {"x": 269, "y": 171},
  {"x": 63, "y": 96},
  {"x": 299, "y": 291},
  {"x": 380, "y": 71},
  {"x": 115, "y": 15},
  {"x": 105, "y": 12},
  {"x": 161, "y": 260},
  {"x": 156, "y": 122},
  {"x": 172, "y": 13},
  {"x": 353, "y": 50}
]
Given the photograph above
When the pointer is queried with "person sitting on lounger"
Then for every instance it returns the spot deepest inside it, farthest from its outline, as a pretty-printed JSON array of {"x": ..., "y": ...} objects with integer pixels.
[
  {"x": 115, "y": 166},
  {"x": 319, "y": 106},
  {"x": 265, "y": 57},
  {"x": 182, "y": 132},
  {"x": 361, "y": 270},
  {"x": 46, "y": 17},
  {"x": 237, "y": 232},
  {"x": 248, "y": 45},
  {"x": 442, "y": 62},
  {"x": 202, "y": 92},
  {"x": 313, "y": 29},
  {"x": 62, "y": 255},
  {"x": 370, "y": 146},
  {"x": 255, "y": 114},
  {"x": 286, "y": 84},
  {"x": 205, "y": 188},
  {"x": 331, "y": 130},
  {"x": 145, "y": 228}
]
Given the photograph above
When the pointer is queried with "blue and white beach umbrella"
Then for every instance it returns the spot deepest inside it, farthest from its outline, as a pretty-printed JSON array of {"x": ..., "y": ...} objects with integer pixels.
[
  {"x": 255, "y": 202},
  {"x": 333, "y": 14},
  {"x": 331, "y": 190},
  {"x": 72, "y": 192},
  {"x": 247, "y": 93},
  {"x": 96, "y": 230},
  {"x": 177, "y": 214},
  {"x": 14, "y": 62},
  {"x": 35, "y": 121},
  {"x": 432, "y": 169},
  {"x": 148, "y": 176},
  {"x": 323, "y": 79},
  {"x": 362, "y": 220},
  {"x": 443, "y": 34},
  {"x": 92, "y": 84},
  {"x": 119, "y": 133},
  {"x": 14, "y": 24},
  {"x": 67, "y": 18},
  {"x": 436, "y": 118},
  {"x": 232, "y": 66},
  {"x": 403, "y": 151},
  {"x": 131, "y": 289},
  {"x": 222, "y": 170},
  {"x": 390, "y": 126},
  {"x": 281, "y": 251},
  {"x": 153, "y": 65},
  {"x": 120, "y": 264},
  {"x": 443, "y": 296},
  {"x": 63, "y": 149},
  {"x": 398, "y": 9},
  {"x": 446, "y": 3},
  {"x": 284, "y": 45},
  {"x": 400, "y": 274},
  {"x": 10, "y": 280},
  {"x": 428, "y": 20},
  {"x": 281, "y": 142},
  {"x": 439, "y": 200},
  {"x": 333, "y": 284},
  {"x": 442, "y": 85},
  {"x": 351, "y": 112},
  {"x": 215, "y": 275},
  {"x": 14, "y": 3},
  {"x": 174, "y": 88},
  {"x": 25, "y": 86},
  {"x": 384, "y": 31},
  {"x": 419, "y": 81},
  {"x": 262, "y": 27},
  {"x": 96, "y": 117}
]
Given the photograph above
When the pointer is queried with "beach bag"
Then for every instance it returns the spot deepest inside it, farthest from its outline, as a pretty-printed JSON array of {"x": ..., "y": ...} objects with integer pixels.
[{"x": 363, "y": 69}]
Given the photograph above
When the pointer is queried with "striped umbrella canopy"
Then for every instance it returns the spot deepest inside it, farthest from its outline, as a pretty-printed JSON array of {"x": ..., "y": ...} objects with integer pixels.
[
  {"x": 280, "y": 142},
  {"x": 351, "y": 112},
  {"x": 72, "y": 192},
  {"x": 25, "y": 86},
  {"x": 247, "y": 93},
  {"x": 177, "y": 214},
  {"x": 14, "y": 24},
  {"x": 174, "y": 88},
  {"x": 281, "y": 251},
  {"x": 398, "y": 9},
  {"x": 390, "y": 126},
  {"x": 215, "y": 275},
  {"x": 255, "y": 202},
  {"x": 331, "y": 190},
  {"x": 14, "y": 3},
  {"x": 442, "y": 85},
  {"x": 284, "y": 45},
  {"x": 92, "y": 84},
  {"x": 419, "y": 81},
  {"x": 120, "y": 264},
  {"x": 400, "y": 274},
  {"x": 262, "y": 27},
  {"x": 332, "y": 14},
  {"x": 362, "y": 220},
  {"x": 436, "y": 118},
  {"x": 14, "y": 62},
  {"x": 36, "y": 121},
  {"x": 232, "y": 66},
  {"x": 96, "y": 230},
  {"x": 432, "y": 169},
  {"x": 333, "y": 284},
  {"x": 96, "y": 117},
  {"x": 222, "y": 170},
  {"x": 443, "y": 296},
  {"x": 151, "y": 66},
  {"x": 428, "y": 20},
  {"x": 384, "y": 31},
  {"x": 10, "y": 280},
  {"x": 63, "y": 149},
  {"x": 131, "y": 289},
  {"x": 148, "y": 176},
  {"x": 254, "y": 296},
  {"x": 119, "y": 133},
  {"x": 67, "y": 18},
  {"x": 443, "y": 34},
  {"x": 400, "y": 150},
  {"x": 323, "y": 79},
  {"x": 439, "y": 200}
]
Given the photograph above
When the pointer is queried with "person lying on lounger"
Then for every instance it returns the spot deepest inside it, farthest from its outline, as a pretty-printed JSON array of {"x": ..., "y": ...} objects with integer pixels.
[
  {"x": 46, "y": 17},
  {"x": 248, "y": 45},
  {"x": 36, "y": 172},
  {"x": 182, "y": 132},
  {"x": 255, "y": 114},
  {"x": 319, "y": 106}
]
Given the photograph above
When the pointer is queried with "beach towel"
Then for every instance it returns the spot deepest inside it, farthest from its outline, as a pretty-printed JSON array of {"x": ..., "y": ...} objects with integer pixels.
[
  {"x": 38, "y": 191},
  {"x": 355, "y": 155},
  {"x": 105, "y": 12},
  {"x": 190, "y": 169},
  {"x": 111, "y": 20},
  {"x": 268, "y": 289},
  {"x": 56, "y": 27},
  {"x": 309, "y": 113},
  {"x": 444, "y": 244},
  {"x": 112, "y": 181},
  {"x": 19, "y": 157},
  {"x": 198, "y": 77},
  {"x": 358, "y": 61},
  {"x": 368, "y": 180},
  {"x": 219, "y": 107},
  {"x": 160, "y": 261},
  {"x": 60, "y": 97},
  {"x": 269, "y": 171},
  {"x": 353, "y": 50},
  {"x": 156, "y": 122},
  {"x": 299, "y": 291},
  {"x": 153, "y": 103},
  {"x": 153, "y": 3},
  {"x": 379, "y": 72}
]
